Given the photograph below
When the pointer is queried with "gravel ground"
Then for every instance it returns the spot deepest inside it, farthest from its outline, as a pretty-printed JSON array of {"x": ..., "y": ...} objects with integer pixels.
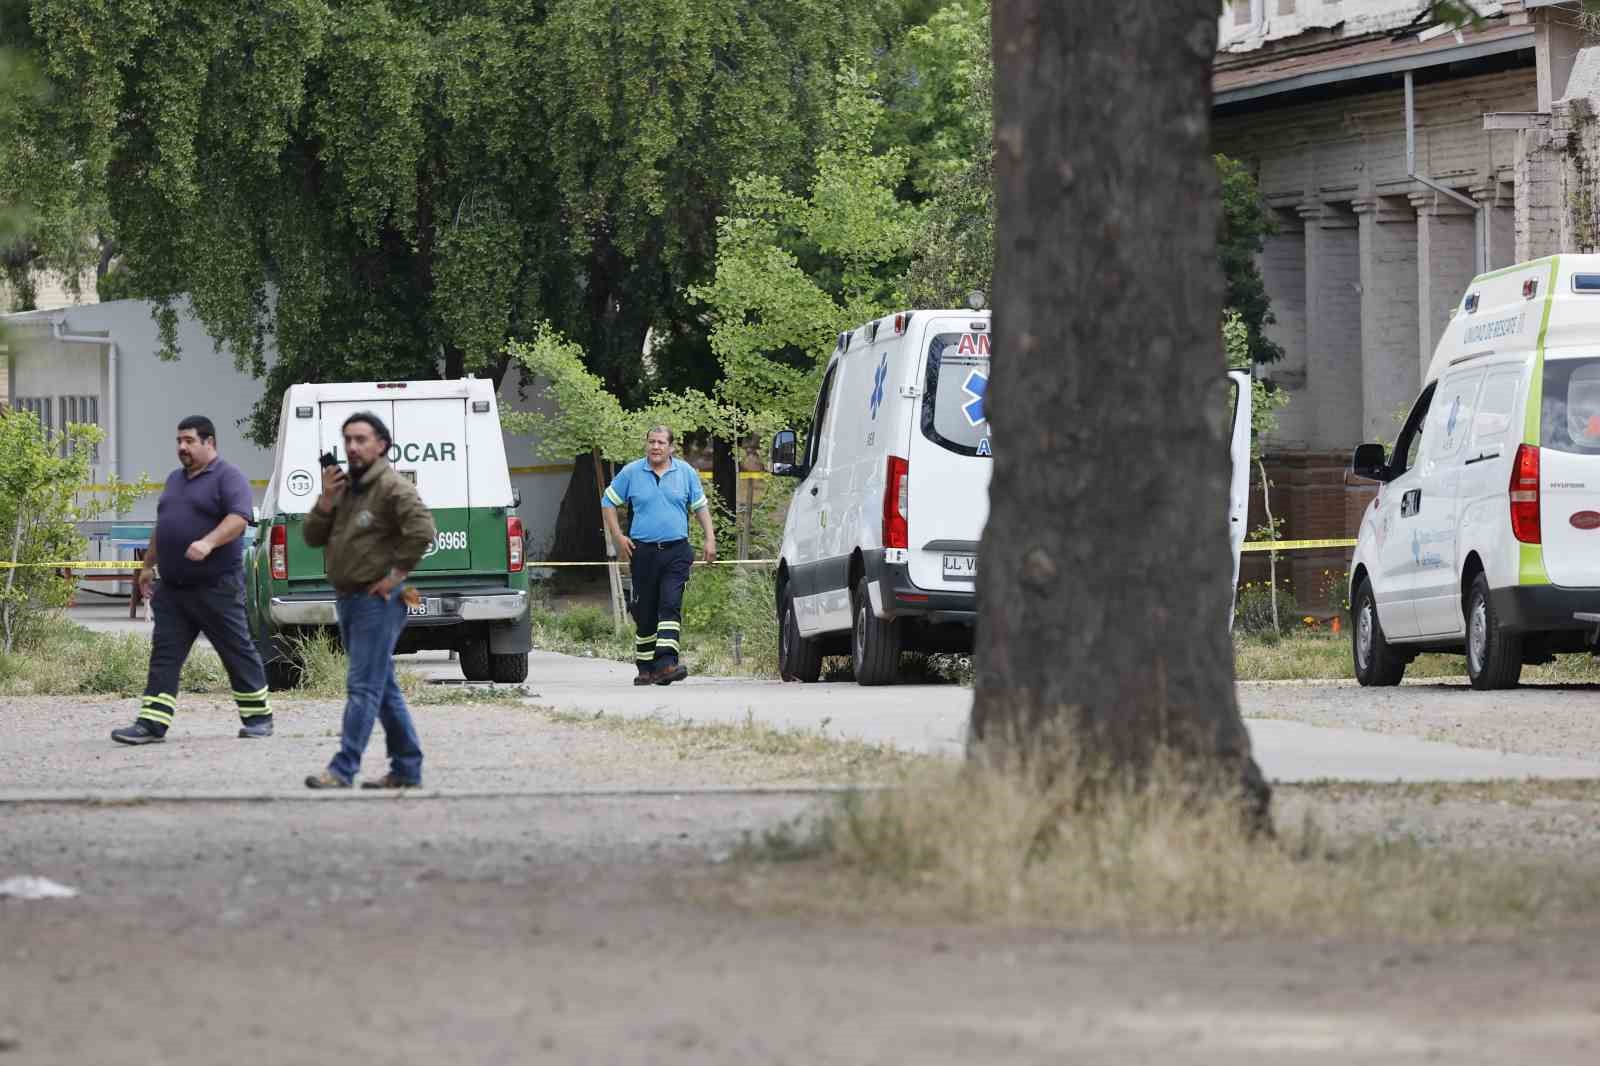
[
  {"x": 1561, "y": 720},
  {"x": 585, "y": 928},
  {"x": 64, "y": 746}
]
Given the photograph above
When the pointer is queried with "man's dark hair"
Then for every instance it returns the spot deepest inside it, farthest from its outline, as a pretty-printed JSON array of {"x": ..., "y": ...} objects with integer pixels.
[
  {"x": 372, "y": 420},
  {"x": 201, "y": 425}
]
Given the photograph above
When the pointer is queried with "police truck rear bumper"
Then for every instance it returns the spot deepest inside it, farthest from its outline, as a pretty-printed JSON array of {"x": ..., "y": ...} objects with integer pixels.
[
  {"x": 470, "y": 607},
  {"x": 901, "y": 598}
]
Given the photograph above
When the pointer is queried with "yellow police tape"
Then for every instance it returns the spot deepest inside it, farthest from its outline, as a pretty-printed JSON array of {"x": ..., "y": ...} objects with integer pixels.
[
  {"x": 1296, "y": 545},
  {"x": 121, "y": 564}
]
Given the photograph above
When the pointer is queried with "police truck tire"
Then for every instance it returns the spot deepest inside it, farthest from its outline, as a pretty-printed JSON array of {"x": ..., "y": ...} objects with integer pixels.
[
  {"x": 475, "y": 665},
  {"x": 874, "y": 642},
  {"x": 1377, "y": 662},
  {"x": 1494, "y": 657},
  {"x": 509, "y": 669},
  {"x": 799, "y": 659}
]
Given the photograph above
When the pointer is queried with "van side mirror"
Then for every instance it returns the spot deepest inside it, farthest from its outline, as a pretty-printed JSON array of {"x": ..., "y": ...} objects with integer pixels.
[
  {"x": 785, "y": 444},
  {"x": 516, "y": 497},
  {"x": 1370, "y": 461}
]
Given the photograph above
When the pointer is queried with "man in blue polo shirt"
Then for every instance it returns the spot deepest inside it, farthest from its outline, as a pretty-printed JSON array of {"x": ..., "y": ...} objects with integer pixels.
[
  {"x": 204, "y": 509},
  {"x": 661, "y": 491}
]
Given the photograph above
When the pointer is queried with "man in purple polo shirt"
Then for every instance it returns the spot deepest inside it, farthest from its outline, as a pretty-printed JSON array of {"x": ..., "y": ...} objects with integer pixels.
[{"x": 204, "y": 509}]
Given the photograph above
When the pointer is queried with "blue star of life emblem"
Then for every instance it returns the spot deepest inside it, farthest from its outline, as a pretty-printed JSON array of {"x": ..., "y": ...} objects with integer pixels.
[
  {"x": 877, "y": 385},
  {"x": 976, "y": 385}
]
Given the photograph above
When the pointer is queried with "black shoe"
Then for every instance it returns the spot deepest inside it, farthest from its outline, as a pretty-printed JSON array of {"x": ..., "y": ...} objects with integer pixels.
[
  {"x": 140, "y": 732},
  {"x": 256, "y": 727},
  {"x": 668, "y": 674},
  {"x": 646, "y": 678}
]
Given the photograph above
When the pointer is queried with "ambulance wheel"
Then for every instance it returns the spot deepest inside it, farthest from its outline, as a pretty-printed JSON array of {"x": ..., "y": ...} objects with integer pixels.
[
  {"x": 1377, "y": 662},
  {"x": 475, "y": 665},
  {"x": 509, "y": 669},
  {"x": 799, "y": 659},
  {"x": 874, "y": 642},
  {"x": 1494, "y": 657}
]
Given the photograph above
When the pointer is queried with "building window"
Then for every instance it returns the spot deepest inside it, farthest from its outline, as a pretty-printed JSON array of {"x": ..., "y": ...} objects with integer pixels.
[
  {"x": 1285, "y": 7},
  {"x": 83, "y": 411},
  {"x": 41, "y": 408}
]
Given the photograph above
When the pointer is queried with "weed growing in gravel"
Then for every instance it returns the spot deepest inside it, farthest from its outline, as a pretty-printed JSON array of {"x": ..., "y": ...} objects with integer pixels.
[
  {"x": 970, "y": 844},
  {"x": 797, "y": 753}
]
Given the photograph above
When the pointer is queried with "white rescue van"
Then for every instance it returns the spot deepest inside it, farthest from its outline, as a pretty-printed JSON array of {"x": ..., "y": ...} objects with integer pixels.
[
  {"x": 880, "y": 545},
  {"x": 1484, "y": 539}
]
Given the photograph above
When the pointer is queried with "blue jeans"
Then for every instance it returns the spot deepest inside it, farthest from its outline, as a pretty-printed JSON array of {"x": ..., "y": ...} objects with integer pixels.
[{"x": 369, "y": 628}]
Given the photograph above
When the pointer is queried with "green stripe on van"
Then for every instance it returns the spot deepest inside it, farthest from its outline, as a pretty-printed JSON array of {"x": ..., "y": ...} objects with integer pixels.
[{"x": 1530, "y": 562}]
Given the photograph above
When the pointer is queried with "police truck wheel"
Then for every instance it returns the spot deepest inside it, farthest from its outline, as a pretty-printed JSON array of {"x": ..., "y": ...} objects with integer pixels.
[
  {"x": 1494, "y": 657},
  {"x": 509, "y": 669},
  {"x": 874, "y": 642},
  {"x": 799, "y": 659},
  {"x": 1377, "y": 662},
  {"x": 475, "y": 664}
]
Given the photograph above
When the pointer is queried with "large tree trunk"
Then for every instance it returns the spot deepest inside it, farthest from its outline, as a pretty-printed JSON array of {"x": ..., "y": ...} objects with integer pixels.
[
  {"x": 579, "y": 537},
  {"x": 1103, "y": 596}
]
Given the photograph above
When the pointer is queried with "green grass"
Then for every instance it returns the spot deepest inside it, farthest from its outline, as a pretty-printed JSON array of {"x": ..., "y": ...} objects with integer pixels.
[
  {"x": 1318, "y": 655},
  {"x": 65, "y": 659}
]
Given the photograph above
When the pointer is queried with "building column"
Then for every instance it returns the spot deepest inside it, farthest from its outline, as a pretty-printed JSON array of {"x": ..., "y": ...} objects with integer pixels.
[
  {"x": 1446, "y": 233},
  {"x": 1333, "y": 324},
  {"x": 1496, "y": 202},
  {"x": 1389, "y": 321}
]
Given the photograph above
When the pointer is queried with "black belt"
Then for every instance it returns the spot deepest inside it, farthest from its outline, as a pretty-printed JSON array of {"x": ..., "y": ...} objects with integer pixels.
[{"x": 660, "y": 545}]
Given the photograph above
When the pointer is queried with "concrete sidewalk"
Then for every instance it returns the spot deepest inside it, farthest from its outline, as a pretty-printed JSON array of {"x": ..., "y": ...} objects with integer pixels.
[{"x": 933, "y": 718}]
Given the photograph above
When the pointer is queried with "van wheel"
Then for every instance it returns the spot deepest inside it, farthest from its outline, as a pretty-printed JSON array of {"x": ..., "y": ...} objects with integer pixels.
[
  {"x": 799, "y": 659},
  {"x": 1494, "y": 657},
  {"x": 475, "y": 664},
  {"x": 509, "y": 669},
  {"x": 1377, "y": 662},
  {"x": 874, "y": 642}
]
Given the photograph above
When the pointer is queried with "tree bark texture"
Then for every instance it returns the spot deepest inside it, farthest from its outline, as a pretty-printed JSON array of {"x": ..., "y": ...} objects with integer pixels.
[
  {"x": 1104, "y": 589},
  {"x": 579, "y": 536}
]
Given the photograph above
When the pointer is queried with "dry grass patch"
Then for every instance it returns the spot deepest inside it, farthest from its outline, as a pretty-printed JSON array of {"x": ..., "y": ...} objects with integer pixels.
[
  {"x": 963, "y": 844},
  {"x": 809, "y": 754}
]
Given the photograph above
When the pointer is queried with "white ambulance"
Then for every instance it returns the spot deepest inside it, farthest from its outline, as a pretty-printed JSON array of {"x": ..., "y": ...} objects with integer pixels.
[
  {"x": 1484, "y": 539},
  {"x": 448, "y": 442},
  {"x": 880, "y": 546}
]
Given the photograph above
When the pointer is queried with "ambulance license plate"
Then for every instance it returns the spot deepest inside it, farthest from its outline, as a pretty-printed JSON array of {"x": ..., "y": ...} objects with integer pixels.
[
  {"x": 426, "y": 609},
  {"x": 961, "y": 567}
]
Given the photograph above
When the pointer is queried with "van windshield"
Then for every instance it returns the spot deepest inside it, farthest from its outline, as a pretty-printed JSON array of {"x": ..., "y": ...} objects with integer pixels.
[
  {"x": 1570, "y": 416},
  {"x": 953, "y": 414}
]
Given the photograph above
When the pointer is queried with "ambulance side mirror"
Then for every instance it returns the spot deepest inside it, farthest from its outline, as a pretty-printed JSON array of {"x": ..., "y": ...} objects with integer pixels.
[
  {"x": 784, "y": 446},
  {"x": 516, "y": 497},
  {"x": 1369, "y": 461}
]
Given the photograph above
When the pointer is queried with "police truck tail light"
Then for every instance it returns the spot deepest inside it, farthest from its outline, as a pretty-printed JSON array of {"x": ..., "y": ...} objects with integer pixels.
[
  {"x": 894, "y": 502},
  {"x": 1525, "y": 495},
  {"x": 278, "y": 553},
  {"x": 514, "y": 544}
]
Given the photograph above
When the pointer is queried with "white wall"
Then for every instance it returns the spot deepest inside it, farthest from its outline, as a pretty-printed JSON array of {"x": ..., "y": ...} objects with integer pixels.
[{"x": 1246, "y": 25}]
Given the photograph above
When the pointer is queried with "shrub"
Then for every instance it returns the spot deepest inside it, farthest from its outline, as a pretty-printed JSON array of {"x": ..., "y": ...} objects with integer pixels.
[{"x": 1252, "y": 613}]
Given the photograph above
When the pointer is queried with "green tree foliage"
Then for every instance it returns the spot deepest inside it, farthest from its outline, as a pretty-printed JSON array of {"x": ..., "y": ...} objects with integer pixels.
[
  {"x": 1246, "y": 225},
  {"x": 392, "y": 189},
  {"x": 793, "y": 270},
  {"x": 42, "y": 500},
  {"x": 937, "y": 86},
  {"x": 580, "y": 415}
]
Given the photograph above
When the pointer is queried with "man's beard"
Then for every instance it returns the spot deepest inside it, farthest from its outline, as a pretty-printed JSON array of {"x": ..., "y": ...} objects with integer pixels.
[{"x": 357, "y": 468}]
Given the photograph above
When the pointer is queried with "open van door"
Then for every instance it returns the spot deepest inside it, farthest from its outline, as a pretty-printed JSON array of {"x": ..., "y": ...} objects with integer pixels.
[{"x": 1239, "y": 487}]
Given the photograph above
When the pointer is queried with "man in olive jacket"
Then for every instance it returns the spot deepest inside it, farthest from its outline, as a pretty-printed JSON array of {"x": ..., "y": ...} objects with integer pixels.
[{"x": 374, "y": 529}]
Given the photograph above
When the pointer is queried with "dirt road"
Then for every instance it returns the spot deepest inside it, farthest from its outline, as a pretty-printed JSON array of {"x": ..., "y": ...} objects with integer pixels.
[{"x": 599, "y": 929}]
